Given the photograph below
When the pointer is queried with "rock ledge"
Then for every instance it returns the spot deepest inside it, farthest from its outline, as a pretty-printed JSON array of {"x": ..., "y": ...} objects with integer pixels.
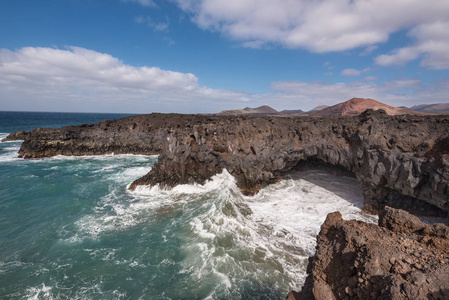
[{"x": 402, "y": 258}]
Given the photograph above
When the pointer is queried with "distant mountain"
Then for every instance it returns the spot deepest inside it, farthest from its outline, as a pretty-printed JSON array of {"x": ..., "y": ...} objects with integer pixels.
[
  {"x": 318, "y": 108},
  {"x": 264, "y": 109},
  {"x": 432, "y": 108},
  {"x": 290, "y": 111},
  {"x": 356, "y": 106}
]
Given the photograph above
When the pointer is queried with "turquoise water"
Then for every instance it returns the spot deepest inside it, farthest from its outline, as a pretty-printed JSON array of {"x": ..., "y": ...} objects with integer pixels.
[{"x": 69, "y": 228}]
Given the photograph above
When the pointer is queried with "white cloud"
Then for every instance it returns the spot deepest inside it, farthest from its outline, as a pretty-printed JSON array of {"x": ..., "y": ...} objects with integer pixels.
[
  {"x": 319, "y": 26},
  {"x": 78, "y": 79},
  {"x": 351, "y": 72},
  {"x": 402, "y": 92},
  {"x": 431, "y": 43},
  {"x": 398, "y": 56}
]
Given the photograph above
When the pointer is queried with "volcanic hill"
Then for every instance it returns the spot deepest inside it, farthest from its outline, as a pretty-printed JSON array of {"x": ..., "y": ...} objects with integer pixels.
[{"x": 356, "y": 106}]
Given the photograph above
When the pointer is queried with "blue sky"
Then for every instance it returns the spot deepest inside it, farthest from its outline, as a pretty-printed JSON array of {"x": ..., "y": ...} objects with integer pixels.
[{"x": 190, "y": 56}]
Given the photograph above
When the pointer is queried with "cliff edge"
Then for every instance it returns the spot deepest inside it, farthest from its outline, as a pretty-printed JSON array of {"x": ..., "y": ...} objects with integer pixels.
[
  {"x": 400, "y": 161},
  {"x": 401, "y": 258}
]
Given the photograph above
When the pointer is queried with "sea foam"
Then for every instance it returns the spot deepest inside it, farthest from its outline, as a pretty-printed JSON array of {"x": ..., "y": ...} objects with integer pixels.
[{"x": 242, "y": 245}]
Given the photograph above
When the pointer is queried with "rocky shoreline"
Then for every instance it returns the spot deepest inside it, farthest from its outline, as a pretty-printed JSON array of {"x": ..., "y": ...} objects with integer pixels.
[
  {"x": 401, "y": 258},
  {"x": 400, "y": 161}
]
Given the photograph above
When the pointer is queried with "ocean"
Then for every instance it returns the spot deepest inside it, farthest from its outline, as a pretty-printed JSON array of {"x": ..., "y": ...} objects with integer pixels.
[{"x": 70, "y": 229}]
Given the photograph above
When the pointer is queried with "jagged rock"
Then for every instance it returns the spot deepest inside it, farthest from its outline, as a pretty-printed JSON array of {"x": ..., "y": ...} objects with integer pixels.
[
  {"x": 402, "y": 258},
  {"x": 401, "y": 161},
  {"x": 15, "y": 136}
]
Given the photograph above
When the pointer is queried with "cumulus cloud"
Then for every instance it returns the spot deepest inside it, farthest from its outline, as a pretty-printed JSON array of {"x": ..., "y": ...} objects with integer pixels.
[
  {"x": 78, "y": 79},
  {"x": 401, "y": 92},
  {"x": 431, "y": 43},
  {"x": 81, "y": 79},
  {"x": 398, "y": 56},
  {"x": 318, "y": 26}
]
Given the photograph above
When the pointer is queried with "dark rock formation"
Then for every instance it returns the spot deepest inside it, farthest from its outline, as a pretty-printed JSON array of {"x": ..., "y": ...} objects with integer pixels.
[
  {"x": 16, "y": 136},
  {"x": 402, "y": 258},
  {"x": 133, "y": 135},
  {"x": 401, "y": 161}
]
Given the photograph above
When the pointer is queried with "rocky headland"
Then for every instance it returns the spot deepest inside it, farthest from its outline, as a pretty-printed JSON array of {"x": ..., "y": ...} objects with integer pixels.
[
  {"x": 401, "y": 161},
  {"x": 401, "y": 258}
]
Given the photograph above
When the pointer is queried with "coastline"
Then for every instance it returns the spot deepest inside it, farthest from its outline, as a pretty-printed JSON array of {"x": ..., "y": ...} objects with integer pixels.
[{"x": 186, "y": 144}]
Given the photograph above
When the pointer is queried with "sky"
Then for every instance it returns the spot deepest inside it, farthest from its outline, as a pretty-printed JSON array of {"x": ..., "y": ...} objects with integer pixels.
[{"x": 204, "y": 56}]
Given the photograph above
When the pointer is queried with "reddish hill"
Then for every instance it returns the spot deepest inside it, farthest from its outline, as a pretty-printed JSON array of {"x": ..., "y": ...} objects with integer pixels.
[{"x": 356, "y": 106}]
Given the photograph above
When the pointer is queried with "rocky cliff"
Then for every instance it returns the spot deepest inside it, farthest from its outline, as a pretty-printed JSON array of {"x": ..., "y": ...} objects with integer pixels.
[
  {"x": 134, "y": 135},
  {"x": 402, "y": 258},
  {"x": 401, "y": 161}
]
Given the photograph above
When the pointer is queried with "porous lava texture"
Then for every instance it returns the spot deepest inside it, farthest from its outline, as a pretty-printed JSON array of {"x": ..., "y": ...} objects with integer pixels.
[
  {"x": 400, "y": 161},
  {"x": 401, "y": 258}
]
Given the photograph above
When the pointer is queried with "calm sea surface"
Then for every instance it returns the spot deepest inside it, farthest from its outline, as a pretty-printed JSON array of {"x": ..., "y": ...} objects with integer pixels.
[{"x": 69, "y": 228}]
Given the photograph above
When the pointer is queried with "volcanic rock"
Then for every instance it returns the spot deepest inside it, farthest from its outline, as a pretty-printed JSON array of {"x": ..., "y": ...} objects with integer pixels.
[
  {"x": 15, "y": 136},
  {"x": 401, "y": 161},
  {"x": 402, "y": 258}
]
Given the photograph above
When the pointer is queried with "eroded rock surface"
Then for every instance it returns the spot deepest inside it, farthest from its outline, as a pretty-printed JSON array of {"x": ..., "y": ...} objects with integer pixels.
[
  {"x": 132, "y": 135},
  {"x": 402, "y": 258},
  {"x": 16, "y": 136},
  {"x": 401, "y": 161}
]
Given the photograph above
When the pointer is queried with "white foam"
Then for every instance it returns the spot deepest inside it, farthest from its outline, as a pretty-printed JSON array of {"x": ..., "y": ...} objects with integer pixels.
[
  {"x": 102, "y": 253},
  {"x": 11, "y": 152},
  {"x": 230, "y": 238},
  {"x": 137, "y": 157},
  {"x": 114, "y": 212},
  {"x": 2, "y": 136},
  {"x": 217, "y": 181},
  {"x": 299, "y": 206},
  {"x": 7, "y": 266},
  {"x": 127, "y": 175},
  {"x": 273, "y": 243},
  {"x": 39, "y": 292}
]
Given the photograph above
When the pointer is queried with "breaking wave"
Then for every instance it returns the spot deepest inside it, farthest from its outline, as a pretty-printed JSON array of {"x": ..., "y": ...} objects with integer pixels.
[
  {"x": 241, "y": 246},
  {"x": 208, "y": 241}
]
